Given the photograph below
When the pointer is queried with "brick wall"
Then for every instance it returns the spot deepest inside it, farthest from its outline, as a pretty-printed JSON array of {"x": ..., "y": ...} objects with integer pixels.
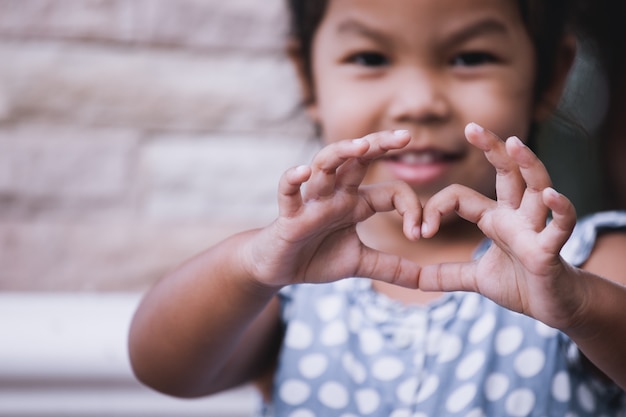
[{"x": 136, "y": 133}]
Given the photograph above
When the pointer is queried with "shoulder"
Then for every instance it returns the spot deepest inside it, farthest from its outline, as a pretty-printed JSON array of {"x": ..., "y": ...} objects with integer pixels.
[
  {"x": 589, "y": 231},
  {"x": 598, "y": 244}
]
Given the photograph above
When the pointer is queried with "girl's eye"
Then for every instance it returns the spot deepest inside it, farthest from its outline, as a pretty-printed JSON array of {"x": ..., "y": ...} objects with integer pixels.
[
  {"x": 471, "y": 59},
  {"x": 369, "y": 59}
]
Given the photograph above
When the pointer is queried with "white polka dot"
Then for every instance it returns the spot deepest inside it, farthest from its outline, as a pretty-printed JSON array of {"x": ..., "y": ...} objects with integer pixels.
[
  {"x": 299, "y": 335},
  {"x": 428, "y": 388},
  {"x": 354, "y": 368},
  {"x": 377, "y": 315},
  {"x": 333, "y": 395},
  {"x": 508, "y": 340},
  {"x": 433, "y": 341},
  {"x": 328, "y": 307},
  {"x": 302, "y": 413},
  {"x": 406, "y": 390},
  {"x": 334, "y": 334},
  {"x": 418, "y": 414},
  {"x": 496, "y": 386},
  {"x": 355, "y": 319},
  {"x": 561, "y": 387},
  {"x": 482, "y": 328},
  {"x": 348, "y": 415},
  {"x": 585, "y": 398},
  {"x": 520, "y": 403},
  {"x": 470, "y": 307},
  {"x": 387, "y": 369},
  {"x": 419, "y": 358},
  {"x": 367, "y": 401},
  {"x": 444, "y": 312},
  {"x": 401, "y": 413},
  {"x": 470, "y": 365},
  {"x": 476, "y": 412},
  {"x": 450, "y": 349},
  {"x": 313, "y": 365},
  {"x": 461, "y": 398},
  {"x": 529, "y": 362},
  {"x": 294, "y": 392},
  {"x": 370, "y": 341},
  {"x": 544, "y": 330}
]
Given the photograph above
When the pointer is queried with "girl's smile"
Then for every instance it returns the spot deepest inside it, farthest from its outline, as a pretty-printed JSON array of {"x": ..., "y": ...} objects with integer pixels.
[{"x": 421, "y": 166}]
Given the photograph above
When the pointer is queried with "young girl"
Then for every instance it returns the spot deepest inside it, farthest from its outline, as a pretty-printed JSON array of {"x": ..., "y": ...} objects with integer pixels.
[{"x": 413, "y": 271}]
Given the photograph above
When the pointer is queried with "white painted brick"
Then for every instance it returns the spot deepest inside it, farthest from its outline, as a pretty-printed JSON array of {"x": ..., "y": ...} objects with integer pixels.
[
  {"x": 119, "y": 254},
  {"x": 110, "y": 19},
  {"x": 146, "y": 89},
  {"x": 49, "y": 162},
  {"x": 187, "y": 23},
  {"x": 227, "y": 178},
  {"x": 212, "y": 23}
]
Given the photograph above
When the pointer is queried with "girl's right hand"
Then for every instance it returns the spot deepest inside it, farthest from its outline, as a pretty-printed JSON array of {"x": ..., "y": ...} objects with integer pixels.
[{"x": 314, "y": 238}]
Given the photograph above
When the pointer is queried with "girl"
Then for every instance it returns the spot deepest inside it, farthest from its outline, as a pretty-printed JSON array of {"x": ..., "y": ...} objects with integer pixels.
[{"x": 447, "y": 224}]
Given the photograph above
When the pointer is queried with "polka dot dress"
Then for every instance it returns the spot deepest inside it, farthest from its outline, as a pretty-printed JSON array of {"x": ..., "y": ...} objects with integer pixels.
[{"x": 350, "y": 351}]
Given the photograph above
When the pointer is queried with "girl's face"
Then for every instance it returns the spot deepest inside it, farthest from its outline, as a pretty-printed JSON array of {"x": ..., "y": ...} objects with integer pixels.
[{"x": 430, "y": 67}]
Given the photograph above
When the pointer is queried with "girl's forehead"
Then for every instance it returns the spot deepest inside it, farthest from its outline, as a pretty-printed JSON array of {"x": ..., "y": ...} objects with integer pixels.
[
  {"x": 412, "y": 13},
  {"x": 434, "y": 22}
]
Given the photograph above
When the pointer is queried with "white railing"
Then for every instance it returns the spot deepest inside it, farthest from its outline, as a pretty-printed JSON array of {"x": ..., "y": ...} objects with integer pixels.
[{"x": 64, "y": 355}]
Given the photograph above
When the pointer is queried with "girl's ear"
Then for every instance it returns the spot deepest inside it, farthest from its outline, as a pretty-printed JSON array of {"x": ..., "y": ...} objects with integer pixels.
[
  {"x": 549, "y": 99},
  {"x": 305, "y": 79}
]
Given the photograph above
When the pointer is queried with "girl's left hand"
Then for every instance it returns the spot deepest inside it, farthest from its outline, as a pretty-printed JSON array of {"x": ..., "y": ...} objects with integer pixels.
[{"x": 522, "y": 270}]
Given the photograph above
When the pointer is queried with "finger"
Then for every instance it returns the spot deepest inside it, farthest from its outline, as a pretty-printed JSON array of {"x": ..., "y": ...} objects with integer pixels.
[
  {"x": 467, "y": 203},
  {"x": 397, "y": 196},
  {"x": 509, "y": 182},
  {"x": 289, "y": 196},
  {"x": 351, "y": 173},
  {"x": 448, "y": 277},
  {"x": 325, "y": 164},
  {"x": 388, "y": 268},
  {"x": 535, "y": 176},
  {"x": 558, "y": 231}
]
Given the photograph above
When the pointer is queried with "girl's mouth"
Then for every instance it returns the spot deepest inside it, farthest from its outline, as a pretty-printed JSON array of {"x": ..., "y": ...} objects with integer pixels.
[
  {"x": 422, "y": 167},
  {"x": 426, "y": 157}
]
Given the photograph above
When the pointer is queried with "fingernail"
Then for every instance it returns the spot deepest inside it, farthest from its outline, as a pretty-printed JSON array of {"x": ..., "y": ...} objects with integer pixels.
[
  {"x": 424, "y": 229},
  {"x": 518, "y": 141},
  {"x": 400, "y": 132},
  {"x": 358, "y": 141},
  {"x": 552, "y": 192},
  {"x": 476, "y": 127}
]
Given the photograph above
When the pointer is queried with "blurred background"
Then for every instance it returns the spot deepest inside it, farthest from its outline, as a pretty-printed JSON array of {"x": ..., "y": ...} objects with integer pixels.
[{"x": 134, "y": 134}]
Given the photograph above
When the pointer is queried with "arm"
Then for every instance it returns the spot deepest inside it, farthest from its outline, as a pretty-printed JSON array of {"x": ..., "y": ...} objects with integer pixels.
[
  {"x": 523, "y": 270},
  {"x": 601, "y": 335},
  {"x": 214, "y": 322},
  {"x": 206, "y": 327}
]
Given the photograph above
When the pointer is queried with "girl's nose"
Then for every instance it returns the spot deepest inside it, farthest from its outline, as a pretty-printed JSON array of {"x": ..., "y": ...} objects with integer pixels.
[{"x": 418, "y": 97}]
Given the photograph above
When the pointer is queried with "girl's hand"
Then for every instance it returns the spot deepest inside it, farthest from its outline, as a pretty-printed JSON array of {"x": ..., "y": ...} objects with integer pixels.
[
  {"x": 314, "y": 238},
  {"x": 522, "y": 270}
]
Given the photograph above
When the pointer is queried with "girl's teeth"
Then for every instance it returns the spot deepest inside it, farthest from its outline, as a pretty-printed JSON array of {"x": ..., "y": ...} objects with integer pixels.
[{"x": 417, "y": 158}]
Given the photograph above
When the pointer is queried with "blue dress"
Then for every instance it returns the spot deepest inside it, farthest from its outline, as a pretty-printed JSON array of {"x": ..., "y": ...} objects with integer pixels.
[{"x": 350, "y": 351}]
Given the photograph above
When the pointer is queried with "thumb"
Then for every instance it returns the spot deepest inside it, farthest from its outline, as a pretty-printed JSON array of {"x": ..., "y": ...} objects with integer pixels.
[
  {"x": 388, "y": 268},
  {"x": 452, "y": 276}
]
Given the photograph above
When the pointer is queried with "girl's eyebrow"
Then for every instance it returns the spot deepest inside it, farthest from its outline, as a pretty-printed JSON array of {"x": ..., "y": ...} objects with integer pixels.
[
  {"x": 482, "y": 27},
  {"x": 354, "y": 27},
  {"x": 487, "y": 26}
]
